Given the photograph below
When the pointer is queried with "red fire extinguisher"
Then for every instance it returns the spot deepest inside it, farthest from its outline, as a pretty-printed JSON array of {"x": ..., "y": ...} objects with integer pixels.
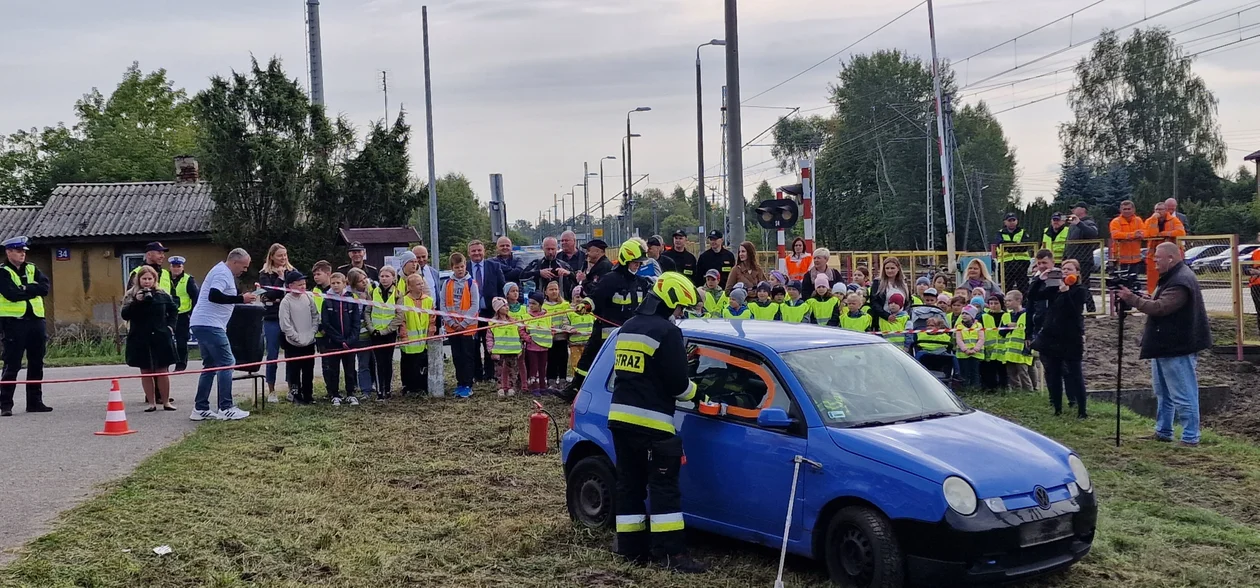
[{"x": 538, "y": 429}]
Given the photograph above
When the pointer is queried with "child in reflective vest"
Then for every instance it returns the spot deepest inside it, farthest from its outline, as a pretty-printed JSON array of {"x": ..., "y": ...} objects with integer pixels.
[
  {"x": 993, "y": 369},
  {"x": 504, "y": 343},
  {"x": 558, "y": 356},
  {"x": 582, "y": 324},
  {"x": 1019, "y": 356},
  {"x": 794, "y": 309},
  {"x": 822, "y": 305},
  {"x": 537, "y": 343},
  {"x": 894, "y": 326},
  {"x": 516, "y": 307},
  {"x": 855, "y": 319},
  {"x": 970, "y": 346},
  {"x": 713, "y": 295},
  {"x": 763, "y": 308},
  {"x": 735, "y": 307},
  {"x": 417, "y": 325}
]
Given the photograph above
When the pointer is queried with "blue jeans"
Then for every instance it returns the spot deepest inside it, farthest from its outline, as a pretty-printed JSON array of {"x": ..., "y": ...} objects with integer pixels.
[
  {"x": 215, "y": 352},
  {"x": 271, "y": 332},
  {"x": 366, "y": 369},
  {"x": 970, "y": 368},
  {"x": 1177, "y": 393}
]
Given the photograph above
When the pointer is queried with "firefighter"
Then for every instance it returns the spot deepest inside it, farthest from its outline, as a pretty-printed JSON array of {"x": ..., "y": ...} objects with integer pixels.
[
  {"x": 651, "y": 367},
  {"x": 613, "y": 298}
]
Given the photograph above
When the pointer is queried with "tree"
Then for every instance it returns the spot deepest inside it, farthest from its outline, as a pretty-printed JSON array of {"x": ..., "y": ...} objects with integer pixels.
[
  {"x": 267, "y": 151},
  {"x": 1076, "y": 184},
  {"x": 1139, "y": 103},
  {"x": 373, "y": 188},
  {"x": 988, "y": 159},
  {"x": 1241, "y": 187},
  {"x": 461, "y": 218},
  {"x": 133, "y": 135},
  {"x": 797, "y": 138}
]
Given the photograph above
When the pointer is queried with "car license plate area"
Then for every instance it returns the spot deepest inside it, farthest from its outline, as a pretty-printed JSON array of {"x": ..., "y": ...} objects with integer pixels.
[{"x": 1041, "y": 532}]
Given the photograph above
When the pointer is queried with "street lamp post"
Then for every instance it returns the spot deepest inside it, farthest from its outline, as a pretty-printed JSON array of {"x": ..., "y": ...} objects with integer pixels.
[
  {"x": 602, "y": 217},
  {"x": 573, "y": 203},
  {"x": 630, "y": 157},
  {"x": 701, "y": 213},
  {"x": 587, "y": 174},
  {"x": 626, "y": 185}
]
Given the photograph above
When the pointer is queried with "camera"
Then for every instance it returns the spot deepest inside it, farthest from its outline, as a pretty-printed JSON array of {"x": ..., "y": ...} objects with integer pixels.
[{"x": 1118, "y": 278}]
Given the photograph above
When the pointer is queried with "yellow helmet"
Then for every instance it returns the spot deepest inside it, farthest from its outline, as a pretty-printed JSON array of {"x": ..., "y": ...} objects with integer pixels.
[
  {"x": 631, "y": 250},
  {"x": 674, "y": 289}
]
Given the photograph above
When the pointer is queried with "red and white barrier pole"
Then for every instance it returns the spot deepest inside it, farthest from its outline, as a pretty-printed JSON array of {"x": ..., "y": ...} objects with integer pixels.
[
  {"x": 782, "y": 265},
  {"x": 807, "y": 202}
]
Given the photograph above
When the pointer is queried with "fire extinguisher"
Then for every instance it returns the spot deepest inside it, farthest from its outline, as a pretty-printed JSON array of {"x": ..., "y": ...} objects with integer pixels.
[{"x": 538, "y": 429}]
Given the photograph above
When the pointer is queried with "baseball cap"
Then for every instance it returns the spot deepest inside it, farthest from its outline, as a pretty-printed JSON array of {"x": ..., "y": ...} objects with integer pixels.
[
  {"x": 715, "y": 234},
  {"x": 293, "y": 276},
  {"x": 1056, "y": 216},
  {"x": 680, "y": 233},
  {"x": 654, "y": 241},
  {"x": 1011, "y": 216},
  {"x": 596, "y": 243},
  {"x": 155, "y": 246},
  {"x": 931, "y": 292},
  {"x": 713, "y": 274}
]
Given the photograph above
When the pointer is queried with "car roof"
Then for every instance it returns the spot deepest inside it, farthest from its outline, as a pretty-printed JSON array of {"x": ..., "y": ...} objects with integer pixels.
[{"x": 773, "y": 336}]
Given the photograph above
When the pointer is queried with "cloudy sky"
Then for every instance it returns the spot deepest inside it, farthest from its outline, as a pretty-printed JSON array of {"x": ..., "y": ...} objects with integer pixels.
[{"x": 534, "y": 88}]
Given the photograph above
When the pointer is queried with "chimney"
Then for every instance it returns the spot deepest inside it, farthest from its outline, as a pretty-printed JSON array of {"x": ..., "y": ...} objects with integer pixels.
[{"x": 186, "y": 170}]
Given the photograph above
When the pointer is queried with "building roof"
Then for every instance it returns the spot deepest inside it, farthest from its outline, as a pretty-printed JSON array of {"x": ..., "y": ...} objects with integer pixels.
[
  {"x": 125, "y": 209},
  {"x": 1253, "y": 157},
  {"x": 16, "y": 220},
  {"x": 381, "y": 235}
]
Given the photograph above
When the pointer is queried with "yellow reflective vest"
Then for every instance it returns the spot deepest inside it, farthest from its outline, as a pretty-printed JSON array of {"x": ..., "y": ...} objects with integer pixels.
[
  {"x": 417, "y": 323},
  {"x": 764, "y": 312},
  {"x": 970, "y": 335},
  {"x": 860, "y": 323},
  {"x": 164, "y": 278},
  {"x": 181, "y": 293},
  {"x": 17, "y": 308},
  {"x": 1016, "y": 351},
  {"x": 507, "y": 340},
  {"x": 794, "y": 313},
  {"x": 892, "y": 329}
]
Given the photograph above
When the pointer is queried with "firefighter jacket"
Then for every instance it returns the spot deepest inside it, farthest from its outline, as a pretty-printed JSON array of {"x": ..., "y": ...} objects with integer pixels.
[
  {"x": 616, "y": 296},
  {"x": 650, "y": 363}
]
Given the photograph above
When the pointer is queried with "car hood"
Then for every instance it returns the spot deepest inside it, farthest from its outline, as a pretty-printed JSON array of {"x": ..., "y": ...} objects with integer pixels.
[{"x": 997, "y": 457}]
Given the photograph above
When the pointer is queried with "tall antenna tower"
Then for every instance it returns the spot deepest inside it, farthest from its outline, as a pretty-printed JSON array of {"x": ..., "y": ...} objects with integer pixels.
[
  {"x": 385, "y": 89},
  {"x": 316, "y": 53}
]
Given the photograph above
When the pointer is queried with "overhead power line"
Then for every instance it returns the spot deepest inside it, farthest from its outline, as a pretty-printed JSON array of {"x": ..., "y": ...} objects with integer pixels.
[
  {"x": 1025, "y": 34},
  {"x": 836, "y": 54}
]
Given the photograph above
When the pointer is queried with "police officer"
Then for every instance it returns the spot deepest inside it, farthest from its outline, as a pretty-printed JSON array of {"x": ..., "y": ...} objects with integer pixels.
[
  {"x": 613, "y": 298},
  {"x": 1013, "y": 257},
  {"x": 155, "y": 256},
  {"x": 22, "y": 291},
  {"x": 1056, "y": 236},
  {"x": 184, "y": 290},
  {"x": 651, "y": 368}
]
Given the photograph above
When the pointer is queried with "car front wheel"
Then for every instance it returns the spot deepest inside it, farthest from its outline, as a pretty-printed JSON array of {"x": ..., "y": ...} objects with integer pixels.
[
  {"x": 861, "y": 550},
  {"x": 590, "y": 490}
]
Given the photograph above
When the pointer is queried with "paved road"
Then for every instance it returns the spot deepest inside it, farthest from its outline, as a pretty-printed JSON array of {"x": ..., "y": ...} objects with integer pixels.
[{"x": 52, "y": 462}]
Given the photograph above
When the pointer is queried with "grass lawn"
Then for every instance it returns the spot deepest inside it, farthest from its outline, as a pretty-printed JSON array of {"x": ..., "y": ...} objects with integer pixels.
[{"x": 423, "y": 492}]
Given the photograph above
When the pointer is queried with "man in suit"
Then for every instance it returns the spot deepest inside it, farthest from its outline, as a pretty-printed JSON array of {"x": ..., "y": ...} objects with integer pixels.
[
  {"x": 489, "y": 277},
  {"x": 430, "y": 273}
]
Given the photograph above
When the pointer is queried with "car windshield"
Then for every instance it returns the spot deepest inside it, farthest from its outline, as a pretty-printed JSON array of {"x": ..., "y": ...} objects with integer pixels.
[{"x": 870, "y": 385}]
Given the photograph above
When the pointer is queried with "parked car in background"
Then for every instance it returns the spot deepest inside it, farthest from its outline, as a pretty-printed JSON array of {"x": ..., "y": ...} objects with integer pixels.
[
  {"x": 1244, "y": 255},
  {"x": 1203, "y": 251},
  {"x": 1222, "y": 261},
  {"x": 912, "y": 486}
]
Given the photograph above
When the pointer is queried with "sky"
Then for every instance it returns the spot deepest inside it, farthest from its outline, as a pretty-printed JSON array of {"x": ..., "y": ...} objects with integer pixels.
[{"x": 533, "y": 89}]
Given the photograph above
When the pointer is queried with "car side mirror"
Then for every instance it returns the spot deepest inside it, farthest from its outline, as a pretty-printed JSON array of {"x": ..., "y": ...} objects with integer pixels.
[{"x": 774, "y": 418}]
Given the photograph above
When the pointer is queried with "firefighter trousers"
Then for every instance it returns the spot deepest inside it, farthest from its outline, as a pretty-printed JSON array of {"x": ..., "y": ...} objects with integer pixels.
[{"x": 647, "y": 464}]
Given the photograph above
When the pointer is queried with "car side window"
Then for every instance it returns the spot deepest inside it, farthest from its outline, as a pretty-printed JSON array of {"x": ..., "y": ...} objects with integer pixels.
[{"x": 733, "y": 384}]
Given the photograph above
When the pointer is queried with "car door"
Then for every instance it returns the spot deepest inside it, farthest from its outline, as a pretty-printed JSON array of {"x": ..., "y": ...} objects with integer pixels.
[{"x": 738, "y": 474}]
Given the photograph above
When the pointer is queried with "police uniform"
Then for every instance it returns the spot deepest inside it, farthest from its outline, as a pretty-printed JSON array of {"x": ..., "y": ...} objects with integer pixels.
[
  {"x": 650, "y": 363},
  {"x": 613, "y": 298},
  {"x": 22, "y": 291},
  {"x": 184, "y": 290},
  {"x": 1014, "y": 259}
]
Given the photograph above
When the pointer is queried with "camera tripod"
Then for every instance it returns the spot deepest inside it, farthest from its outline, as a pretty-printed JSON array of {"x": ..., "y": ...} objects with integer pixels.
[{"x": 1122, "y": 311}]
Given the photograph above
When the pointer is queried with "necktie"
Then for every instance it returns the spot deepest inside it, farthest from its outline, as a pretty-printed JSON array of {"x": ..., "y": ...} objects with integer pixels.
[{"x": 480, "y": 281}]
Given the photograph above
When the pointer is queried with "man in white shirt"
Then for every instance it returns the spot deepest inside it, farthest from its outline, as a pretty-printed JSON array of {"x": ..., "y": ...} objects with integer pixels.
[
  {"x": 209, "y": 322},
  {"x": 430, "y": 273}
]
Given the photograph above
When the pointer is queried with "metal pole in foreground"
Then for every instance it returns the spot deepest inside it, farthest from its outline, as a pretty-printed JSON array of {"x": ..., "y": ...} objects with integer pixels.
[
  {"x": 701, "y": 211},
  {"x": 951, "y": 251},
  {"x": 735, "y": 140},
  {"x": 437, "y": 351}
]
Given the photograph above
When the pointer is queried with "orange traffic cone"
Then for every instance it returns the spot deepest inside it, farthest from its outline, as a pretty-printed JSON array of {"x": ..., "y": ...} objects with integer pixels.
[{"x": 115, "y": 415}]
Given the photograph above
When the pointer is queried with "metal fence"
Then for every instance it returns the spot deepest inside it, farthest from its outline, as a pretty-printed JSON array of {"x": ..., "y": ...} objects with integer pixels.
[{"x": 1013, "y": 273}]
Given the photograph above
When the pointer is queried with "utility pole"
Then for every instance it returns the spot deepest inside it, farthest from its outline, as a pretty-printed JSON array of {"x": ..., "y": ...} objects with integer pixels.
[
  {"x": 316, "y": 52},
  {"x": 734, "y": 144},
  {"x": 437, "y": 358},
  {"x": 927, "y": 177},
  {"x": 951, "y": 251},
  {"x": 586, "y": 197},
  {"x": 722, "y": 166},
  {"x": 385, "y": 89}
]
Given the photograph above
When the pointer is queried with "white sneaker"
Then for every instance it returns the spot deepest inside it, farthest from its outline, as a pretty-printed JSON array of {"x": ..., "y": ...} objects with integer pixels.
[
  {"x": 336, "y": 402},
  {"x": 205, "y": 415},
  {"x": 233, "y": 414},
  {"x": 289, "y": 396},
  {"x": 502, "y": 392},
  {"x": 511, "y": 392},
  {"x": 353, "y": 400},
  {"x": 272, "y": 398}
]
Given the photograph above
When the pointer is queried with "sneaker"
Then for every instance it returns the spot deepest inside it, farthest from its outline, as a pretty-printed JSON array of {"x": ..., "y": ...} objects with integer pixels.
[
  {"x": 1188, "y": 444},
  {"x": 6, "y": 412},
  {"x": 353, "y": 400},
  {"x": 511, "y": 392},
  {"x": 273, "y": 399},
  {"x": 234, "y": 414},
  {"x": 463, "y": 392},
  {"x": 502, "y": 393},
  {"x": 683, "y": 564},
  {"x": 205, "y": 415},
  {"x": 290, "y": 397},
  {"x": 1156, "y": 437},
  {"x": 380, "y": 398},
  {"x": 336, "y": 401}
]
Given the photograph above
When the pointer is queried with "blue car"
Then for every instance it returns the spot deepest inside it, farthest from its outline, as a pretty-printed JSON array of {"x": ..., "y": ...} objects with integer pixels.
[{"x": 911, "y": 485}]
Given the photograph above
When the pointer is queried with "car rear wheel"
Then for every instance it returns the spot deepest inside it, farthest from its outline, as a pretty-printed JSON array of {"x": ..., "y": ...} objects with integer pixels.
[
  {"x": 861, "y": 550},
  {"x": 590, "y": 492}
]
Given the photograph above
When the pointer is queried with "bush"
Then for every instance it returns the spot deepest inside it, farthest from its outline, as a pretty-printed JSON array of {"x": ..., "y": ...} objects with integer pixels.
[{"x": 1242, "y": 219}]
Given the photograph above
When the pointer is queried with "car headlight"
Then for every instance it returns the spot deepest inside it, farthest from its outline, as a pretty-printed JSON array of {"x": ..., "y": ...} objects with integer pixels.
[
  {"x": 1082, "y": 475},
  {"x": 959, "y": 495}
]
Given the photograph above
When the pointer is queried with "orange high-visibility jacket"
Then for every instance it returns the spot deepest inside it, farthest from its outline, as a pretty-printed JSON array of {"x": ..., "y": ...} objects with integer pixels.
[
  {"x": 1172, "y": 227},
  {"x": 1126, "y": 246}
]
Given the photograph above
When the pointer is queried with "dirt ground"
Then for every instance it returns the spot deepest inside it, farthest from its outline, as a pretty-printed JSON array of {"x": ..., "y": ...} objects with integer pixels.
[{"x": 1241, "y": 414}]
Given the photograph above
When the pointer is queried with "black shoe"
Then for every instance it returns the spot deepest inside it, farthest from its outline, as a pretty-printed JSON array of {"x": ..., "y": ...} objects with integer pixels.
[
  {"x": 179, "y": 367},
  {"x": 1082, "y": 416},
  {"x": 683, "y": 564},
  {"x": 39, "y": 408},
  {"x": 6, "y": 412},
  {"x": 642, "y": 559}
]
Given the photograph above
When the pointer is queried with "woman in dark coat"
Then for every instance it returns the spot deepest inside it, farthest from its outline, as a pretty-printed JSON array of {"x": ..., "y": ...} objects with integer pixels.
[
  {"x": 151, "y": 314},
  {"x": 1061, "y": 340}
]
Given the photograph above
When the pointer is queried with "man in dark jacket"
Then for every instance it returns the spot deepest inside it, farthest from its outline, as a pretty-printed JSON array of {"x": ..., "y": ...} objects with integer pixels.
[
  {"x": 715, "y": 257},
  {"x": 597, "y": 264},
  {"x": 570, "y": 253},
  {"x": 339, "y": 322},
  {"x": 684, "y": 261},
  {"x": 1081, "y": 228},
  {"x": 511, "y": 265},
  {"x": 548, "y": 269},
  {"x": 1177, "y": 329}
]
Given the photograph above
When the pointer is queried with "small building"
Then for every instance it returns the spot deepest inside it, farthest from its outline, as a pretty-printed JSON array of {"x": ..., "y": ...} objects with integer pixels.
[
  {"x": 380, "y": 242},
  {"x": 1256, "y": 158},
  {"x": 88, "y": 237}
]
